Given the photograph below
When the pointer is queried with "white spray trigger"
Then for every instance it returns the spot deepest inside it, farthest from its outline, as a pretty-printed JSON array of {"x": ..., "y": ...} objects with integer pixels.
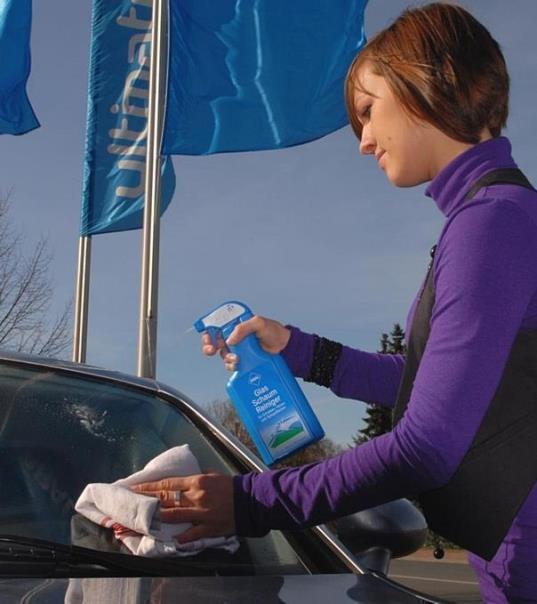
[{"x": 215, "y": 322}]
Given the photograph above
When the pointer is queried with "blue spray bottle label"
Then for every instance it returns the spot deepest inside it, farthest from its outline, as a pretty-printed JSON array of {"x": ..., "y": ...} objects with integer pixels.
[{"x": 265, "y": 393}]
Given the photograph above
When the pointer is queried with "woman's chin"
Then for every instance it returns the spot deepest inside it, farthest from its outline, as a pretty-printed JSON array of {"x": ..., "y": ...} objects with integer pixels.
[{"x": 403, "y": 180}]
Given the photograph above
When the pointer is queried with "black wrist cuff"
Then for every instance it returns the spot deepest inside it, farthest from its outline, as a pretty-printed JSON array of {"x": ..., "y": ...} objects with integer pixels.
[{"x": 325, "y": 357}]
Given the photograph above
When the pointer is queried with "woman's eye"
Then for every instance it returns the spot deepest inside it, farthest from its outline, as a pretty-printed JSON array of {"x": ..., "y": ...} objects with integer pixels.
[{"x": 365, "y": 112}]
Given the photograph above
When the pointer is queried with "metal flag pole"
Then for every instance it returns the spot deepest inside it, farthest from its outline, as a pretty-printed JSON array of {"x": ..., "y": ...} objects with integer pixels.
[
  {"x": 147, "y": 333},
  {"x": 82, "y": 300}
]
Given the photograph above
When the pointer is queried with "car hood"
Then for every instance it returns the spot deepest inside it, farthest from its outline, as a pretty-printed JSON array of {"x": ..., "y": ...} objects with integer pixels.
[{"x": 290, "y": 589}]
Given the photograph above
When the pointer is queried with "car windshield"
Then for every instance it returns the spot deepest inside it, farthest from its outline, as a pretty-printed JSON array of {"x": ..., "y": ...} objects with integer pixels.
[{"x": 60, "y": 432}]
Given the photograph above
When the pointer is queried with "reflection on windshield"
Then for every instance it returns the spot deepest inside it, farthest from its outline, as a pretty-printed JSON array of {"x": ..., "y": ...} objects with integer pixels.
[
  {"x": 97, "y": 591},
  {"x": 169, "y": 591},
  {"x": 58, "y": 433}
]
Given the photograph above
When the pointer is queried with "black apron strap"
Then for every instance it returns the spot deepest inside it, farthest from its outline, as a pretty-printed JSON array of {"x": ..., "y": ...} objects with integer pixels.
[
  {"x": 501, "y": 176},
  {"x": 475, "y": 509}
]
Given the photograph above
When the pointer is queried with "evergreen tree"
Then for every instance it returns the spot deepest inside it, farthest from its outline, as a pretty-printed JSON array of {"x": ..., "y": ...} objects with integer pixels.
[{"x": 379, "y": 419}]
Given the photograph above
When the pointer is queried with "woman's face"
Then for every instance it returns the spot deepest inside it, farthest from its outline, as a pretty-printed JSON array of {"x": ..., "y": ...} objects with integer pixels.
[{"x": 410, "y": 151}]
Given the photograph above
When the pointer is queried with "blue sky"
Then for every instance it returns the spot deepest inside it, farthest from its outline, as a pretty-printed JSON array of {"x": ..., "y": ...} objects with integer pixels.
[{"x": 312, "y": 235}]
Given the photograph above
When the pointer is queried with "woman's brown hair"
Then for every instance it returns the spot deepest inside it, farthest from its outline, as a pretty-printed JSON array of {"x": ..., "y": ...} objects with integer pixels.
[{"x": 443, "y": 66}]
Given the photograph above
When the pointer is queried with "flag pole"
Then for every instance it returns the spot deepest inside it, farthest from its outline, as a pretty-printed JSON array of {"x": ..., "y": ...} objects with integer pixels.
[
  {"x": 147, "y": 330},
  {"x": 82, "y": 300}
]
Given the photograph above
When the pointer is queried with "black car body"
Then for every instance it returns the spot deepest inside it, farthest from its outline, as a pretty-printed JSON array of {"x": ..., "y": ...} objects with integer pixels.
[{"x": 64, "y": 425}]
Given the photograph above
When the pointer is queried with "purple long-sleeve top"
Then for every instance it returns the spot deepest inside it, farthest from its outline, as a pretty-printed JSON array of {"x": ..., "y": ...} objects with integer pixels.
[{"x": 486, "y": 291}]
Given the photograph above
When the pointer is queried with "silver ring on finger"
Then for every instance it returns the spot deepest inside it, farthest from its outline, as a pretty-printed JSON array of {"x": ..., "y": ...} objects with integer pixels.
[{"x": 176, "y": 496}]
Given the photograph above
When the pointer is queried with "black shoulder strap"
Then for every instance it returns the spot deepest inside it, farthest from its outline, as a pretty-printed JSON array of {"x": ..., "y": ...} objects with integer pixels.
[
  {"x": 475, "y": 508},
  {"x": 501, "y": 176},
  {"x": 422, "y": 315}
]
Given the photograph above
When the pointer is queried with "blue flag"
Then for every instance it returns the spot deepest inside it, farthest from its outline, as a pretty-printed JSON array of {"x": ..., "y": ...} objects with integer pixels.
[
  {"x": 16, "y": 113},
  {"x": 116, "y": 133},
  {"x": 258, "y": 74},
  {"x": 243, "y": 75}
]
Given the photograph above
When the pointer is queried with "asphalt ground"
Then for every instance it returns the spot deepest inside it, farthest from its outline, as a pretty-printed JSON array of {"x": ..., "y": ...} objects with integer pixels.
[{"x": 451, "y": 578}]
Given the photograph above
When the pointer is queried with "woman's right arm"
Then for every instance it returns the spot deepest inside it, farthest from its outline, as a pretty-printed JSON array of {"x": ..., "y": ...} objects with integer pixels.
[
  {"x": 348, "y": 372},
  {"x": 364, "y": 376}
]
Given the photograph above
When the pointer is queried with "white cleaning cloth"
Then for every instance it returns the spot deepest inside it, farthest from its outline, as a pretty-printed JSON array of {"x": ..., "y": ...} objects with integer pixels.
[{"x": 134, "y": 517}]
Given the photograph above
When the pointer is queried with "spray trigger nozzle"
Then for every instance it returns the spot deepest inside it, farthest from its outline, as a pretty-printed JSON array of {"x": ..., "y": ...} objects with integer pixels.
[{"x": 221, "y": 321}]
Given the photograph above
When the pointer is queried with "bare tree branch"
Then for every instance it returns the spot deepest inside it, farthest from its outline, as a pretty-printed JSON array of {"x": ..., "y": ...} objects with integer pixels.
[
  {"x": 26, "y": 295},
  {"x": 224, "y": 412}
]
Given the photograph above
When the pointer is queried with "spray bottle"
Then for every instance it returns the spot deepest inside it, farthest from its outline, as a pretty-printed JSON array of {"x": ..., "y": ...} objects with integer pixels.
[{"x": 265, "y": 393}]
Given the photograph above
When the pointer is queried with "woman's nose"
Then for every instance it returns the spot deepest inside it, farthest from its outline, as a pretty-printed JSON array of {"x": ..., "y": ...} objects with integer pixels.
[{"x": 367, "y": 141}]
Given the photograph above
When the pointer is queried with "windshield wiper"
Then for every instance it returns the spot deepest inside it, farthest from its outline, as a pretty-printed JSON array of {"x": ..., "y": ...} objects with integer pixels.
[{"x": 29, "y": 556}]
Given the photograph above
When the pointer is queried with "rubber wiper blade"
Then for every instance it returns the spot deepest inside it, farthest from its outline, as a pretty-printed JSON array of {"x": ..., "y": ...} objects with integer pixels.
[
  {"x": 17, "y": 545},
  {"x": 28, "y": 551},
  {"x": 17, "y": 552}
]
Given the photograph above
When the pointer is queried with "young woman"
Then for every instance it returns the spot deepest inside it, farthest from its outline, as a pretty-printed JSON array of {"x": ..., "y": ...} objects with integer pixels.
[{"x": 428, "y": 98}]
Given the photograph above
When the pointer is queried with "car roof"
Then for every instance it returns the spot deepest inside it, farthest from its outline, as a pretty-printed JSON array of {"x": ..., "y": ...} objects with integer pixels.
[{"x": 81, "y": 368}]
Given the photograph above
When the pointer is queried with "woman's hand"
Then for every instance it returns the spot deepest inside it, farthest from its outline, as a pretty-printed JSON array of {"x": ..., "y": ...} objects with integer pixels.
[
  {"x": 272, "y": 335},
  {"x": 205, "y": 500}
]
